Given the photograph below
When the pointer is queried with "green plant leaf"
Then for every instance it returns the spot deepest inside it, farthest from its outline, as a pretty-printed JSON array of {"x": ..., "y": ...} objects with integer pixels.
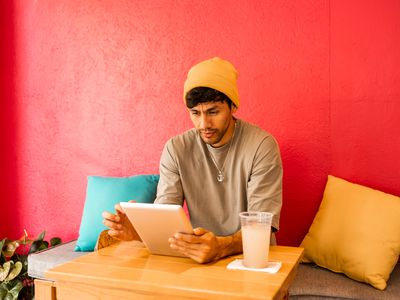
[
  {"x": 15, "y": 270},
  {"x": 2, "y": 258},
  {"x": 2, "y": 242},
  {"x": 25, "y": 241},
  {"x": 41, "y": 236},
  {"x": 3, "y": 292},
  {"x": 14, "y": 292},
  {"x": 44, "y": 245},
  {"x": 9, "y": 248},
  {"x": 55, "y": 241},
  {"x": 5, "y": 285},
  {"x": 16, "y": 289},
  {"x": 13, "y": 265},
  {"x": 38, "y": 245},
  {"x": 5, "y": 270}
]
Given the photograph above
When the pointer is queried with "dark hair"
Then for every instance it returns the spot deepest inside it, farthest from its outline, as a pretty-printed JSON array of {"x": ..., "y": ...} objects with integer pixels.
[{"x": 205, "y": 94}]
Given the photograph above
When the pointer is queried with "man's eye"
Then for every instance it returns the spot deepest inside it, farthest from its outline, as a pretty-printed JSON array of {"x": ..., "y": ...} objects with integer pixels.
[
  {"x": 194, "y": 113},
  {"x": 213, "y": 112}
]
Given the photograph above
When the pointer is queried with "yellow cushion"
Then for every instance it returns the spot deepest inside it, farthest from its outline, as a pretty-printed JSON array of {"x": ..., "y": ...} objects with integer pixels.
[{"x": 356, "y": 232}]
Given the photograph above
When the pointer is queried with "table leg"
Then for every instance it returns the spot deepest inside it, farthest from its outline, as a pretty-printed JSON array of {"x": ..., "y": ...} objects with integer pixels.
[{"x": 45, "y": 290}]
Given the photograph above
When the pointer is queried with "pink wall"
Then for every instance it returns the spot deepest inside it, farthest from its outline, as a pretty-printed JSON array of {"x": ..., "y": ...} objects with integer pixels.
[{"x": 98, "y": 91}]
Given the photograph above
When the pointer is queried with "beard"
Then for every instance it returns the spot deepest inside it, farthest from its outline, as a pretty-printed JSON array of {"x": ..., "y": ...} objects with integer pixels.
[{"x": 212, "y": 136}]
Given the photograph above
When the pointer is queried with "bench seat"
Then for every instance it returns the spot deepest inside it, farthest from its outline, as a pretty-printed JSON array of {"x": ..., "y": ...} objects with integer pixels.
[
  {"x": 41, "y": 261},
  {"x": 315, "y": 283}
]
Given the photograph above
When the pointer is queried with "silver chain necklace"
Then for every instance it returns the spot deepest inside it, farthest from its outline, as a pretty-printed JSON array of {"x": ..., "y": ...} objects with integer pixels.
[{"x": 220, "y": 176}]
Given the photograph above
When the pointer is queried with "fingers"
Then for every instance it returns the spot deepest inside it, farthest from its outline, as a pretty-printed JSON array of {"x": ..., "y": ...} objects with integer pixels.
[
  {"x": 114, "y": 233},
  {"x": 185, "y": 242},
  {"x": 112, "y": 221},
  {"x": 119, "y": 225},
  {"x": 199, "y": 231},
  {"x": 182, "y": 245},
  {"x": 198, "y": 256},
  {"x": 117, "y": 229},
  {"x": 201, "y": 246},
  {"x": 118, "y": 209},
  {"x": 188, "y": 238},
  {"x": 112, "y": 225},
  {"x": 198, "y": 236},
  {"x": 111, "y": 217},
  {"x": 197, "y": 252},
  {"x": 118, "y": 234}
]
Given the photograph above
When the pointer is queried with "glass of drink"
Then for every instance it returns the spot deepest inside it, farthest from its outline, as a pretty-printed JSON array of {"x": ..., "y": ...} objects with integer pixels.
[{"x": 256, "y": 232}]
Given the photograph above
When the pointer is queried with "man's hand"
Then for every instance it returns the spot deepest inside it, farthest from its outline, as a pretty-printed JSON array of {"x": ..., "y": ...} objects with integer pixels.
[
  {"x": 202, "y": 246},
  {"x": 120, "y": 226}
]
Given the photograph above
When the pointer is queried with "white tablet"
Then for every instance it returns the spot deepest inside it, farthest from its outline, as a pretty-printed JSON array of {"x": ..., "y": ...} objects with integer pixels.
[{"x": 156, "y": 223}]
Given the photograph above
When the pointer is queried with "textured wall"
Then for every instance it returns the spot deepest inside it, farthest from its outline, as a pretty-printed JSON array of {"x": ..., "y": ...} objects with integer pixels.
[
  {"x": 9, "y": 199},
  {"x": 98, "y": 91},
  {"x": 365, "y": 97}
]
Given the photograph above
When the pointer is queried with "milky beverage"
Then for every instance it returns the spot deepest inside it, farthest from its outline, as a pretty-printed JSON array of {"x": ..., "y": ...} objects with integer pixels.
[{"x": 256, "y": 232}]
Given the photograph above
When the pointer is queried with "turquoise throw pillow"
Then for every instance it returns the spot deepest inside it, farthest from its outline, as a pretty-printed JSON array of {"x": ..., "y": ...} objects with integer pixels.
[{"x": 102, "y": 194}]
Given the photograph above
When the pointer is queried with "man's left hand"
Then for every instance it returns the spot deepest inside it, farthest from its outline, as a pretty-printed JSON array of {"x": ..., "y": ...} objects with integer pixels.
[{"x": 202, "y": 246}]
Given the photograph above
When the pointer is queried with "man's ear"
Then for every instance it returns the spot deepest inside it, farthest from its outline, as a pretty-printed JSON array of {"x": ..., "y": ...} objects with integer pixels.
[{"x": 233, "y": 109}]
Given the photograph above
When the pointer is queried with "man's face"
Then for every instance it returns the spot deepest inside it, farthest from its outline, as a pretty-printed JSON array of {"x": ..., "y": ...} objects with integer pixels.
[{"x": 214, "y": 122}]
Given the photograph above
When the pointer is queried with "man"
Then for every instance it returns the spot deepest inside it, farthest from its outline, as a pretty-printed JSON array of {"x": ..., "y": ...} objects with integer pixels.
[{"x": 220, "y": 167}]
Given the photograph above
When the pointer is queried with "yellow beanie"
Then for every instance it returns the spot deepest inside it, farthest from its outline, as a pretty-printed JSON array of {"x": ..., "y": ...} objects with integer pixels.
[{"x": 214, "y": 73}]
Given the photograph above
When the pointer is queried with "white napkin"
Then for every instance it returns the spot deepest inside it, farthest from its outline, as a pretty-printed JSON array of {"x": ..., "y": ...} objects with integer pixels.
[{"x": 272, "y": 266}]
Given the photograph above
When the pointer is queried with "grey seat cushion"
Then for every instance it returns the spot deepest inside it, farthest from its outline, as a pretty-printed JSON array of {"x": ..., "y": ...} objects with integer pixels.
[
  {"x": 313, "y": 283},
  {"x": 40, "y": 262}
]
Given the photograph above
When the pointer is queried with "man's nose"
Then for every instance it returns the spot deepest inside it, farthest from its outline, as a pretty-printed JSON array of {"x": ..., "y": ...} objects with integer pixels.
[{"x": 204, "y": 122}]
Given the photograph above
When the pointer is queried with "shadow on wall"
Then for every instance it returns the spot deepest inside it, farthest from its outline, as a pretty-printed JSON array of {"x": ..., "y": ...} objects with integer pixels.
[{"x": 8, "y": 123}]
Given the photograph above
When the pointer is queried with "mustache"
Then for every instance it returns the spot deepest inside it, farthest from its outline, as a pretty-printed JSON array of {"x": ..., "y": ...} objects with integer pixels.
[{"x": 207, "y": 130}]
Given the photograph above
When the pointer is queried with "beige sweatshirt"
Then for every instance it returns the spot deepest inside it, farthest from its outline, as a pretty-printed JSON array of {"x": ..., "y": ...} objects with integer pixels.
[{"x": 253, "y": 178}]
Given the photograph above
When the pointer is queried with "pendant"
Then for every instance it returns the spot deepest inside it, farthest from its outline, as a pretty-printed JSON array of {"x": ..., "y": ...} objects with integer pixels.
[{"x": 220, "y": 177}]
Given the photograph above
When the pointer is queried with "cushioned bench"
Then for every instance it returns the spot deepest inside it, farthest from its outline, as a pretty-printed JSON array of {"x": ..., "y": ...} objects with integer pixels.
[
  {"x": 40, "y": 262},
  {"x": 315, "y": 283},
  {"x": 311, "y": 282}
]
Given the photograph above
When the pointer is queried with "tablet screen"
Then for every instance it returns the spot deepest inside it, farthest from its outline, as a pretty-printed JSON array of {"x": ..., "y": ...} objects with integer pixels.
[{"x": 156, "y": 223}]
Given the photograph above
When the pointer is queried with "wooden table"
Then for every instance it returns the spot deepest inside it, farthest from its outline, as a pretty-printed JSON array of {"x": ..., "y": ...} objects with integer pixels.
[{"x": 126, "y": 271}]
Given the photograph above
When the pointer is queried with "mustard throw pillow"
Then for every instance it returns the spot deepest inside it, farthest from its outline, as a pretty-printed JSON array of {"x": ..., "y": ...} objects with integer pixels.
[{"x": 356, "y": 232}]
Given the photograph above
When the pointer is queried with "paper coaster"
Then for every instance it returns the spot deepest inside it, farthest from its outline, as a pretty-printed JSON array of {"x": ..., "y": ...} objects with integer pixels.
[{"x": 272, "y": 266}]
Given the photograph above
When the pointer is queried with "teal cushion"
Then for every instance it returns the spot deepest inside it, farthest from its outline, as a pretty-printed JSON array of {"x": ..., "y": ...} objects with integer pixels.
[{"x": 102, "y": 194}]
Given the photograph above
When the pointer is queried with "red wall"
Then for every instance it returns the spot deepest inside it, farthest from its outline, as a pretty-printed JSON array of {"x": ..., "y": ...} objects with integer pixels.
[
  {"x": 96, "y": 89},
  {"x": 365, "y": 92},
  {"x": 9, "y": 193}
]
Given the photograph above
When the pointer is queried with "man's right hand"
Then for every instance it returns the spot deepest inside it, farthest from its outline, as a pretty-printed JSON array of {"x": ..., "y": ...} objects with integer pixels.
[{"x": 120, "y": 226}]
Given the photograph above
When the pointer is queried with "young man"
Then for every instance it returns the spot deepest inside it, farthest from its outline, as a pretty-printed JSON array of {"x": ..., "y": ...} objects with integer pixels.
[{"x": 220, "y": 167}]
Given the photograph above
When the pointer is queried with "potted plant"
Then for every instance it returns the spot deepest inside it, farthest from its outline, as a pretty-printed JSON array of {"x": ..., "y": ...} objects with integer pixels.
[{"x": 15, "y": 283}]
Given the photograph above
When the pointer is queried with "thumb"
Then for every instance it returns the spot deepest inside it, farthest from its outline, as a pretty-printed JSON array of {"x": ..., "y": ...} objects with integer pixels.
[
  {"x": 132, "y": 201},
  {"x": 199, "y": 231}
]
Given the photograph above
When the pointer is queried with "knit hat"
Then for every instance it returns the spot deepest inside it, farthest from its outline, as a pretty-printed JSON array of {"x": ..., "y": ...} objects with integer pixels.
[{"x": 214, "y": 73}]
